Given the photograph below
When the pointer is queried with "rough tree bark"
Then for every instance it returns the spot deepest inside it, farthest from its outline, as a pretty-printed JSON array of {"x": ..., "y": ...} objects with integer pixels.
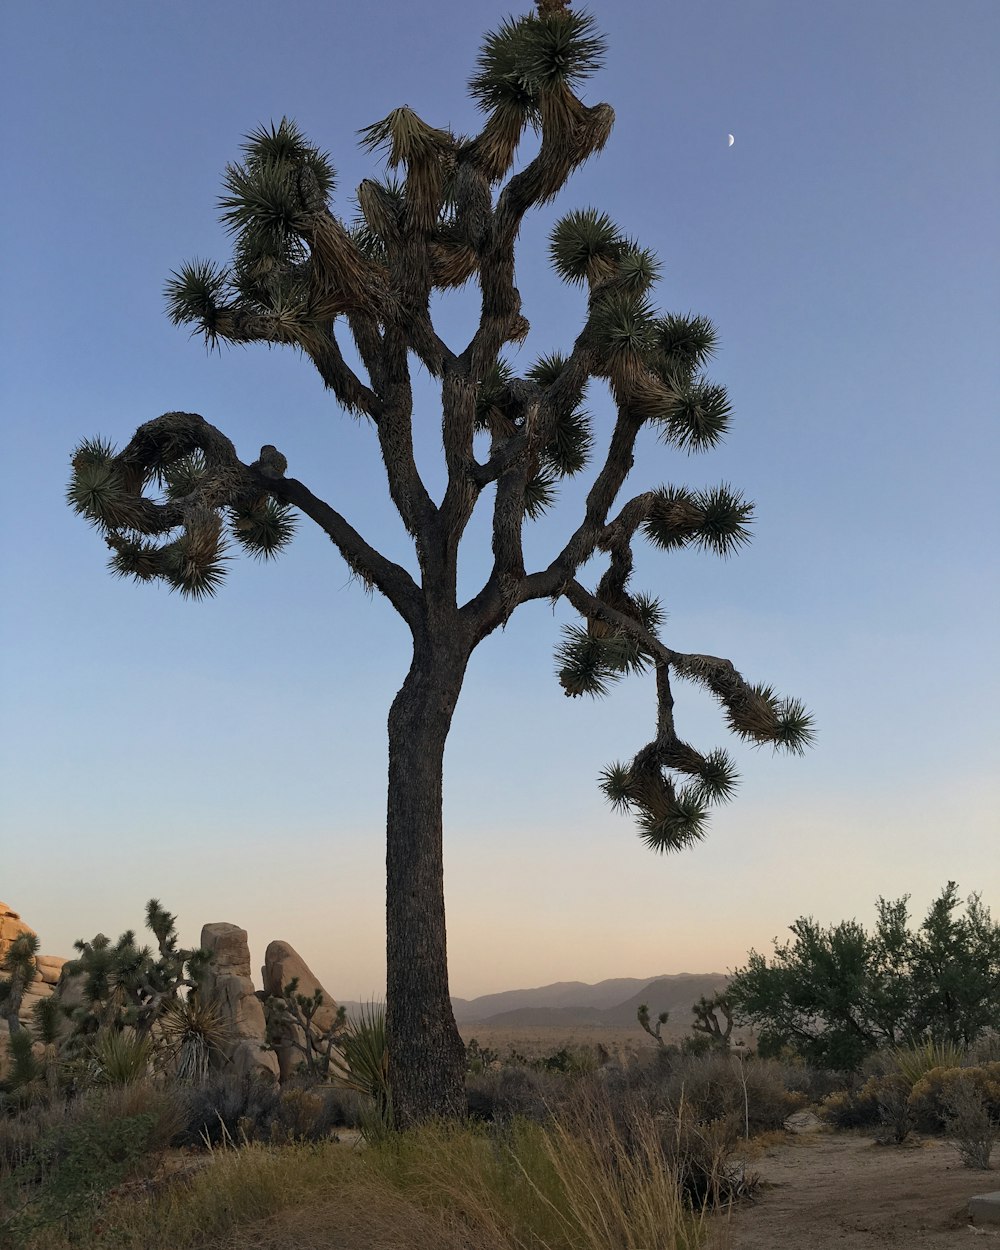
[{"x": 427, "y": 1058}]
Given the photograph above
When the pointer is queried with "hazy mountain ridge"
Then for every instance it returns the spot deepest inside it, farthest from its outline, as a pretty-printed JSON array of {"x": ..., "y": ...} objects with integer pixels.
[{"x": 608, "y": 1004}]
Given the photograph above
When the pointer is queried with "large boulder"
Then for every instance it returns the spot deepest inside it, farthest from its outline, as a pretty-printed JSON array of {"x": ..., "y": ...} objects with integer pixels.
[
  {"x": 283, "y": 964},
  {"x": 11, "y": 926},
  {"x": 228, "y": 982}
]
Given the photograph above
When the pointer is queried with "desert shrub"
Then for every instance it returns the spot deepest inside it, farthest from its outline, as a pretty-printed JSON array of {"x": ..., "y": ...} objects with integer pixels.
[
  {"x": 719, "y": 1086},
  {"x": 480, "y": 1058},
  {"x": 892, "y": 1093},
  {"x": 695, "y": 1045},
  {"x": 702, "y": 1155},
  {"x": 514, "y": 1090},
  {"x": 230, "y": 1109},
  {"x": 570, "y": 1060},
  {"x": 21, "y": 1135},
  {"x": 968, "y": 1121},
  {"x": 313, "y": 1113},
  {"x": 57, "y": 1162},
  {"x": 930, "y": 1096},
  {"x": 799, "y": 1077},
  {"x": 853, "y": 1108},
  {"x": 985, "y": 1049}
]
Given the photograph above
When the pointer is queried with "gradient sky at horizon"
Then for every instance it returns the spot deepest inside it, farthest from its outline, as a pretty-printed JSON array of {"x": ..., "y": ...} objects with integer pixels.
[{"x": 229, "y": 757}]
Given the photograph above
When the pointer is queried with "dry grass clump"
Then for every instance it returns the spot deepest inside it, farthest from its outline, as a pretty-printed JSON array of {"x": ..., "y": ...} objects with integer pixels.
[{"x": 577, "y": 1183}]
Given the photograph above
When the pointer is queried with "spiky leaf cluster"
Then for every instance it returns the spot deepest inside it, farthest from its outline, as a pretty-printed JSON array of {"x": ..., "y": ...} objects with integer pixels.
[
  {"x": 273, "y": 199},
  {"x": 670, "y": 816},
  {"x": 716, "y": 519},
  {"x": 528, "y": 56},
  {"x": 585, "y": 246},
  {"x": 569, "y": 447},
  {"x": 182, "y": 539},
  {"x": 274, "y": 192},
  {"x": 588, "y": 662},
  {"x": 684, "y": 344},
  {"x": 264, "y": 529}
]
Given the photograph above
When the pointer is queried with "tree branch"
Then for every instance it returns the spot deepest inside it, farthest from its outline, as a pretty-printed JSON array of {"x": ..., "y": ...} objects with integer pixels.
[{"x": 370, "y": 565}]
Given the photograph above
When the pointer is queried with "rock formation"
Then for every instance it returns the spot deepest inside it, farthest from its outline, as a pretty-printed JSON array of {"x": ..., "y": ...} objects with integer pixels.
[
  {"x": 47, "y": 971},
  {"x": 11, "y": 926},
  {"x": 228, "y": 982},
  {"x": 282, "y": 964}
]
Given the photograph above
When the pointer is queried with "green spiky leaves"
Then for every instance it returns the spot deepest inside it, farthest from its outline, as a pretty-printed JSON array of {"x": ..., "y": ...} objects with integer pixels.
[
  {"x": 540, "y": 494},
  {"x": 265, "y": 529},
  {"x": 273, "y": 193},
  {"x": 590, "y": 663},
  {"x": 98, "y": 489},
  {"x": 694, "y": 415},
  {"x": 568, "y": 450},
  {"x": 755, "y": 713},
  {"x": 195, "y": 293},
  {"x": 761, "y": 715},
  {"x": 586, "y": 246},
  {"x": 534, "y": 54},
  {"x": 670, "y": 817},
  {"x": 684, "y": 343},
  {"x": 207, "y": 497},
  {"x": 667, "y": 818},
  {"x": 717, "y": 519}
]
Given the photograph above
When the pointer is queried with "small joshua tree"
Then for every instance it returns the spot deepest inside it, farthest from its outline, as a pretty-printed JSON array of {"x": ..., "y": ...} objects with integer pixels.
[
  {"x": 654, "y": 1031},
  {"x": 18, "y": 967},
  {"x": 291, "y": 1021},
  {"x": 707, "y": 1012},
  {"x": 171, "y": 500}
]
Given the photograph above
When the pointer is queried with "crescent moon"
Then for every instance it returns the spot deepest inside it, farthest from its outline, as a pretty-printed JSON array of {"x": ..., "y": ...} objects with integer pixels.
[{"x": 731, "y": 140}]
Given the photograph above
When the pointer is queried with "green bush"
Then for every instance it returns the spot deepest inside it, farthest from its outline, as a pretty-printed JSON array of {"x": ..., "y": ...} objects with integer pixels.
[
  {"x": 62, "y": 1172},
  {"x": 853, "y": 1108},
  {"x": 930, "y": 1096}
]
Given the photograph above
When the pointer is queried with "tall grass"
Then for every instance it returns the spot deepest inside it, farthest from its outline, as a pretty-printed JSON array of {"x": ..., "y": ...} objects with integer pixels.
[{"x": 585, "y": 1181}]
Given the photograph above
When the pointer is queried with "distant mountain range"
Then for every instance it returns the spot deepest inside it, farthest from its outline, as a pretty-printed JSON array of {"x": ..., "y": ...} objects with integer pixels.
[{"x": 572, "y": 1004}]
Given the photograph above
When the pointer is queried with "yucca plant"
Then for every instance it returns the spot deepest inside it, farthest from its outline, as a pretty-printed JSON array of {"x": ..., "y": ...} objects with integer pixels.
[
  {"x": 120, "y": 1056},
  {"x": 176, "y": 500},
  {"x": 363, "y": 1065},
  {"x": 191, "y": 1030},
  {"x": 915, "y": 1061}
]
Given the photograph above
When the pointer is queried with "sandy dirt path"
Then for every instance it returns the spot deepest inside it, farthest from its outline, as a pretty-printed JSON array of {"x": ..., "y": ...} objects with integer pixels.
[{"x": 843, "y": 1191}]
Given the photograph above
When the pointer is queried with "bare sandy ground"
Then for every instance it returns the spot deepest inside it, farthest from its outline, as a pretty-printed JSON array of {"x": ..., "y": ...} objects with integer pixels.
[{"x": 843, "y": 1191}]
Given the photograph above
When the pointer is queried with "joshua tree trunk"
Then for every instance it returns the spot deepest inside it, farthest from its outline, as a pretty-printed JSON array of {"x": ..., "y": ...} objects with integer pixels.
[{"x": 426, "y": 1057}]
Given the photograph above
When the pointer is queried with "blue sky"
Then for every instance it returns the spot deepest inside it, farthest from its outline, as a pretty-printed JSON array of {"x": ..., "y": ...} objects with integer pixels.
[{"x": 229, "y": 757}]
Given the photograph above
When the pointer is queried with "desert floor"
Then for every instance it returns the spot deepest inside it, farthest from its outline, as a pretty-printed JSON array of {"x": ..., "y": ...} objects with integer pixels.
[{"x": 842, "y": 1191}]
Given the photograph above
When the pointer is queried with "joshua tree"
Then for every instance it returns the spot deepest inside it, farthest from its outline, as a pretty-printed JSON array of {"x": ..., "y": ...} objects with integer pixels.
[
  {"x": 713, "y": 1016},
  {"x": 125, "y": 985},
  {"x": 18, "y": 965},
  {"x": 654, "y": 1031},
  {"x": 451, "y": 213},
  {"x": 291, "y": 1021}
]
